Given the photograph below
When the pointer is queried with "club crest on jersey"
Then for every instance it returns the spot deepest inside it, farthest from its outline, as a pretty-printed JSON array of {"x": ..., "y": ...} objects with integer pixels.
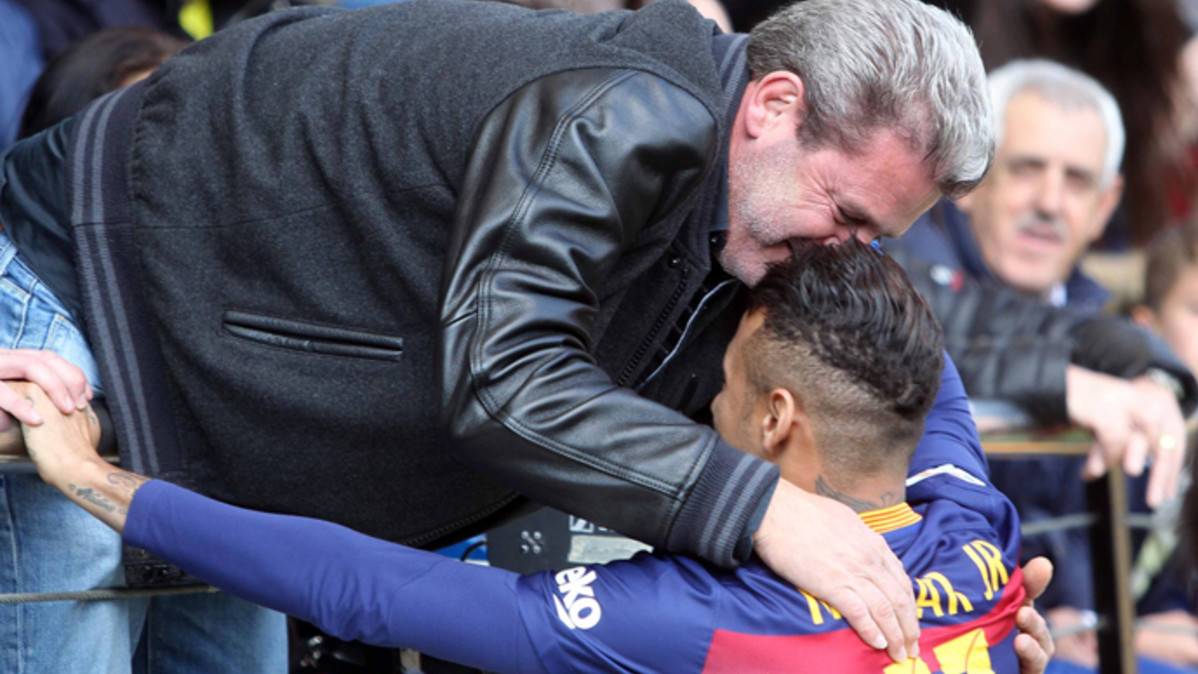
[{"x": 577, "y": 607}]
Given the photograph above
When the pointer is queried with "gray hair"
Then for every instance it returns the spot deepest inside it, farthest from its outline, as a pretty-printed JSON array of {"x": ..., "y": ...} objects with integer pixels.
[
  {"x": 898, "y": 64},
  {"x": 1066, "y": 88}
]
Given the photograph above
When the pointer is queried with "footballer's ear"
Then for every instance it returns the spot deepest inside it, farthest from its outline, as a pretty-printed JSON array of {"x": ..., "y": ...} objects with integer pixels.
[
  {"x": 786, "y": 428},
  {"x": 778, "y": 423}
]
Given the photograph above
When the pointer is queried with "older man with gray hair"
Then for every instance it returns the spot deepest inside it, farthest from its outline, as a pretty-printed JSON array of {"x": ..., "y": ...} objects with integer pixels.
[
  {"x": 1060, "y": 138},
  {"x": 457, "y": 254}
]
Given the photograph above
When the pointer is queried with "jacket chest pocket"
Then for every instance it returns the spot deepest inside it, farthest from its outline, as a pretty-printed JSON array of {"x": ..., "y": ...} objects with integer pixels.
[{"x": 312, "y": 338}]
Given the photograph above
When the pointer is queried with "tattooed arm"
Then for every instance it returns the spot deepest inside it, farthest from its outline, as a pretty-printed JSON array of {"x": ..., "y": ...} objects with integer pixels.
[
  {"x": 64, "y": 449},
  {"x": 105, "y": 491}
]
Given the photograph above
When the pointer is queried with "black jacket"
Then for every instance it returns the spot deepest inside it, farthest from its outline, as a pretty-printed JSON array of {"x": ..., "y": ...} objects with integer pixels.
[
  {"x": 1011, "y": 347},
  {"x": 386, "y": 266}
]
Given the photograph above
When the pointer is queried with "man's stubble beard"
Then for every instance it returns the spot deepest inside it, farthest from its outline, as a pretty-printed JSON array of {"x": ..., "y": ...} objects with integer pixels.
[{"x": 749, "y": 210}]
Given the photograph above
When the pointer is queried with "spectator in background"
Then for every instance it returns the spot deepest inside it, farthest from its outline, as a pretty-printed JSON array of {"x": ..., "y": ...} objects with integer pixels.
[
  {"x": 1133, "y": 48},
  {"x": 1053, "y": 186},
  {"x": 1049, "y": 194},
  {"x": 1170, "y": 305},
  {"x": 1170, "y": 308},
  {"x": 21, "y": 56},
  {"x": 60, "y": 24},
  {"x": 1053, "y": 183},
  {"x": 104, "y": 61},
  {"x": 33, "y": 32}
]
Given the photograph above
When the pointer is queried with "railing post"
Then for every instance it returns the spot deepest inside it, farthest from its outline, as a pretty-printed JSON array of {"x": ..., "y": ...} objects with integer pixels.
[{"x": 1111, "y": 554}]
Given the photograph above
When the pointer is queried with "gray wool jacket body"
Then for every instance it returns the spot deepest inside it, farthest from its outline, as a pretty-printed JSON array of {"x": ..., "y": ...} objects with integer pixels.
[{"x": 394, "y": 267}]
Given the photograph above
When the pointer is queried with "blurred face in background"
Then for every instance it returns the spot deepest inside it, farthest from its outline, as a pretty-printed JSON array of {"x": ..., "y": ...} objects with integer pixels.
[
  {"x": 1044, "y": 201},
  {"x": 1176, "y": 320}
]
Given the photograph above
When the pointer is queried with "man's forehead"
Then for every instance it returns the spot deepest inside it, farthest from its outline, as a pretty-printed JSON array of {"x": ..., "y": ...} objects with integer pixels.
[
  {"x": 895, "y": 189},
  {"x": 1036, "y": 126}
]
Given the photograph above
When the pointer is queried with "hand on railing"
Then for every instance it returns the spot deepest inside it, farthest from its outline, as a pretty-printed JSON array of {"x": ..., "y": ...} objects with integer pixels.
[
  {"x": 1075, "y": 634},
  {"x": 1132, "y": 421},
  {"x": 64, "y": 383},
  {"x": 1170, "y": 637}
]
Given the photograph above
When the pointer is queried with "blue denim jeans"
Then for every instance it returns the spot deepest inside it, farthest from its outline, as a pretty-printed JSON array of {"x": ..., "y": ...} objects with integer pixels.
[{"x": 47, "y": 544}]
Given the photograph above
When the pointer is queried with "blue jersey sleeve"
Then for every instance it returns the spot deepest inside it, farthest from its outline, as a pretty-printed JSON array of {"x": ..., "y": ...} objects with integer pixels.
[
  {"x": 950, "y": 436},
  {"x": 350, "y": 585},
  {"x": 949, "y": 464},
  {"x": 648, "y": 614}
]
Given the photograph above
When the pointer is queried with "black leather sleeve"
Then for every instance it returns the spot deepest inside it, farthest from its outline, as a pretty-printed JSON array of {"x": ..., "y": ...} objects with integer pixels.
[
  {"x": 1114, "y": 345},
  {"x": 1010, "y": 347},
  {"x": 565, "y": 176}
]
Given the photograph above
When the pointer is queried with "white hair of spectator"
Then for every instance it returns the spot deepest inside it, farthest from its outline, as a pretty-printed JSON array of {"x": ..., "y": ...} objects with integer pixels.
[
  {"x": 1063, "y": 87},
  {"x": 898, "y": 64}
]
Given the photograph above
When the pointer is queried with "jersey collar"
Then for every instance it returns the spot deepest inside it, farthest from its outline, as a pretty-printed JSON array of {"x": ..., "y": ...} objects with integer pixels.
[{"x": 885, "y": 520}]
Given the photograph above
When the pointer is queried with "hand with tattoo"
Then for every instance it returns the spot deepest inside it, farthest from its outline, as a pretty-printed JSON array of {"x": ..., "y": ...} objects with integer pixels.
[
  {"x": 64, "y": 449},
  {"x": 61, "y": 441}
]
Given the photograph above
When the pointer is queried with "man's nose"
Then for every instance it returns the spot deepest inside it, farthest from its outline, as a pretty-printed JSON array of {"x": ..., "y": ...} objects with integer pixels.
[
  {"x": 865, "y": 235},
  {"x": 1051, "y": 193}
]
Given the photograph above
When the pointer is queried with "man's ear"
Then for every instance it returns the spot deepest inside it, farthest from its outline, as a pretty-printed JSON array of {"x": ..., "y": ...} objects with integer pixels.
[
  {"x": 778, "y": 423},
  {"x": 965, "y": 202},
  {"x": 776, "y": 98},
  {"x": 1106, "y": 206},
  {"x": 1144, "y": 316}
]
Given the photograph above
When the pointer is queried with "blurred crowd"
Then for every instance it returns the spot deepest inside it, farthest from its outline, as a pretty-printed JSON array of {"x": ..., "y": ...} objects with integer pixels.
[{"x": 1067, "y": 283}]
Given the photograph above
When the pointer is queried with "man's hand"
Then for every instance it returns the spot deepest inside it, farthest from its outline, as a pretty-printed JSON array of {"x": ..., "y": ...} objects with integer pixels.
[
  {"x": 61, "y": 444},
  {"x": 1131, "y": 421},
  {"x": 64, "y": 449},
  {"x": 1171, "y": 637},
  {"x": 62, "y": 381},
  {"x": 823, "y": 547},
  {"x": 1034, "y": 644},
  {"x": 1076, "y": 636}
]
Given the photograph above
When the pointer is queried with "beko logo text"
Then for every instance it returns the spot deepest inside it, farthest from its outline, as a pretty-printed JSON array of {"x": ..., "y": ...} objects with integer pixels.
[{"x": 577, "y": 608}]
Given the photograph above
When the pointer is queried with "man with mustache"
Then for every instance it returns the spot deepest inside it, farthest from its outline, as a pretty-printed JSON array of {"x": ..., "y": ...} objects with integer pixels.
[{"x": 1052, "y": 189}]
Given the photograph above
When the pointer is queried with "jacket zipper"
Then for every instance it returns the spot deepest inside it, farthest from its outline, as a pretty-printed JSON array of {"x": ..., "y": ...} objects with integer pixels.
[
  {"x": 719, "y": 287},
  {"x": 649, "y": 340}
]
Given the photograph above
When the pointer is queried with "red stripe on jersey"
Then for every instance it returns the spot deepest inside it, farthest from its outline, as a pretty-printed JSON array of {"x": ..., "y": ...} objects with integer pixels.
[{"x": 842, "y": 651}]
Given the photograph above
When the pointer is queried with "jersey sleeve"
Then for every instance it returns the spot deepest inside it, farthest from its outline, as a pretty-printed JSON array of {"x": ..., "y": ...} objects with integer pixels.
[
  {"x": 350, "y": 585},
  {"x": 950, "y": 435},
  {"x": 949, "y": 464},
  {"x": 650, "y": 613}
]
